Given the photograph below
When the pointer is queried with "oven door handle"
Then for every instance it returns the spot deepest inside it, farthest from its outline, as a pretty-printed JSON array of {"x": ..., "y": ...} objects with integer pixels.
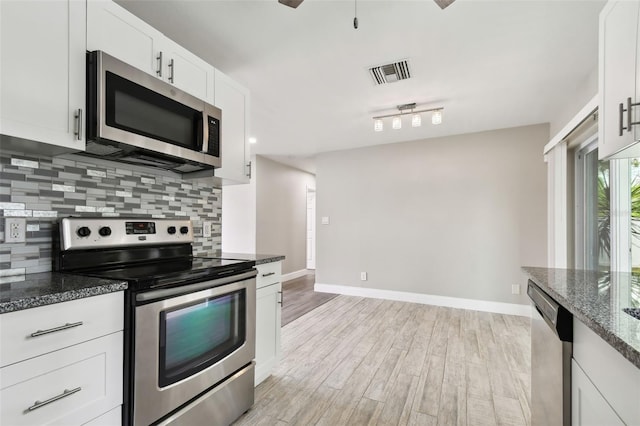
[{"x": 190, "y": 288}]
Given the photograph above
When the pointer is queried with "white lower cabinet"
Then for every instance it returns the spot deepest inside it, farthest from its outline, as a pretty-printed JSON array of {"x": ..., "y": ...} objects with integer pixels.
[
  {"x": 268, "y": 321},
  {"x": 605, "y": 387},
  {"x": 69, "y": 373},
  {"x": 588, "y": 406}
]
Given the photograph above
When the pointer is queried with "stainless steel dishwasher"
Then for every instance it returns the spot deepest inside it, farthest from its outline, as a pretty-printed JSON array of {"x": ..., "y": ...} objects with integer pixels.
[{"x": 551, "y": 350}]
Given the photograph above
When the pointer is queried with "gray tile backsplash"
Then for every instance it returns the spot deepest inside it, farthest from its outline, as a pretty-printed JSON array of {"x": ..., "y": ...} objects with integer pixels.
[{"x": 44, "y": 189}]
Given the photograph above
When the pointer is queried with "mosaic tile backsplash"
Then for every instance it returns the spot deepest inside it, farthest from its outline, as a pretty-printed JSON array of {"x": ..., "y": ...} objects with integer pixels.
[{"x": 43, "y": 189}]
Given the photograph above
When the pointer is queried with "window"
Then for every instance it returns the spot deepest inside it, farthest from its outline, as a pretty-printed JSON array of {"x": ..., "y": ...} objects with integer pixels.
[{"x": 592, "y": 226}]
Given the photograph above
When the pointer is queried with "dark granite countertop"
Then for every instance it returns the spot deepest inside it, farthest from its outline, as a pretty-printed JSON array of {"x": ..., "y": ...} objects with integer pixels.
[
  {"x": 258, "y": 258},
  {"x": 597, "y": 299},
  {"x": 31, "y": 290}
]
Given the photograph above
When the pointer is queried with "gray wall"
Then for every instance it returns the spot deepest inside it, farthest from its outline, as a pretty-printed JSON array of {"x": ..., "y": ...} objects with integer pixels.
[
  {"x": 55, "y": 187},
  {"x": 454, "y": 216},
  {"x": 281, "y": 203}
]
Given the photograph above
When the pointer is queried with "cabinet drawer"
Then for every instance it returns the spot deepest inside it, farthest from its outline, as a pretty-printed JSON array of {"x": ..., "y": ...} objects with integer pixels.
[
  {"x": 112, "y": 418},
  {"x": 615, "y": 378},
  {"x": 98, "y": 315},
  {"x": 33, "y": 391},
  {"x": 268, "y": 273}
]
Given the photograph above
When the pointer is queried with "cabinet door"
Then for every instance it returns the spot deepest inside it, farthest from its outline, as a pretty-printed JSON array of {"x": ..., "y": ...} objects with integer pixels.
[
  {"x": 188, "y": 72},
  {"x": 588, "y": 406},
  {"x": 42, "y": 70},
  {"x": 268, "y": 325},
  {"x": 618, "y": 52},
  {"x": 121, "y": 34},
  {"x": 66, "y": 387},
  {"x": 233, "y": 100}
]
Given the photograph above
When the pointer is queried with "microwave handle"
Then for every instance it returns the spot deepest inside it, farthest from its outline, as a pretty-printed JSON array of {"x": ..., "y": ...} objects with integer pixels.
[{"x": 203, "y": 133}]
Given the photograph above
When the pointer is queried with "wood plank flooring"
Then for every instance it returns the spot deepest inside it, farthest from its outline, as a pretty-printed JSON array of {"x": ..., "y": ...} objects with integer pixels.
[
  {"x": 358, "y": 361},
  {"x": 300, "y": 298}
]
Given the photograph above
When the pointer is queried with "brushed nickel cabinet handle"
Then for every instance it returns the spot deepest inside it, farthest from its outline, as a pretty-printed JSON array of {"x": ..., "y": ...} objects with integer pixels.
[
  {"x": 621, "y": 111},
  {"x": 281, "y": 301},
  {"x": 78, "y": 120},
  {"x": 268, "y": 274},
  {"x": 629, "y": 111},
  {"x": 171, "y": 72},
  {"x": 249, "y": 167},
  {"x": 54, "y": 329},
  {"x": 159, "y": 70},
  {"x": 40, "y": 404}
]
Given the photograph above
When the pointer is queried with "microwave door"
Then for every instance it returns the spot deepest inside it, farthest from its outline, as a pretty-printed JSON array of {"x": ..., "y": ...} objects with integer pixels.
[{"x": 136, "y": 109}]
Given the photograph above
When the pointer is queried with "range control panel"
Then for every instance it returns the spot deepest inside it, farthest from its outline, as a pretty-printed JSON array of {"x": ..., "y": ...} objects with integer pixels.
[{"x": 86, "y": 233}]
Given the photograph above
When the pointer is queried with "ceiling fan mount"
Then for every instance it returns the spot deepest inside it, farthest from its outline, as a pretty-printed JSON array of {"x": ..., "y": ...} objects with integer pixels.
[{"x": 295, "y": 3}]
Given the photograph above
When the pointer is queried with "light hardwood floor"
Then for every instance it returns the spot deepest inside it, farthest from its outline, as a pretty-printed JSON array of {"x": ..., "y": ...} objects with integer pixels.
[
  {"x": 300, "y": 298},
  {"x": 357, "y": 361}
]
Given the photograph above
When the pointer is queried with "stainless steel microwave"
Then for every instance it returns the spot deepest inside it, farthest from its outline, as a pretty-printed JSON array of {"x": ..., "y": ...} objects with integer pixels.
[{"x": 136, "y": 118}]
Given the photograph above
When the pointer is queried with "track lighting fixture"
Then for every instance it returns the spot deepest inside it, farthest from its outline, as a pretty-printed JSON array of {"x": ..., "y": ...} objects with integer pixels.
[{"x": 416, "y": 118}]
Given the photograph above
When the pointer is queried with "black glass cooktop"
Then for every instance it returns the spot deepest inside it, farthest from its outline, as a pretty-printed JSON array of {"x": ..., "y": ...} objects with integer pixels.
[{"x": 173, "y": 272}]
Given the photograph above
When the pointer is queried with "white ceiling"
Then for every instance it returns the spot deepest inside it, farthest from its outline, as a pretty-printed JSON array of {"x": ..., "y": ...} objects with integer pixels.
[{"x": 490, "y": 64}]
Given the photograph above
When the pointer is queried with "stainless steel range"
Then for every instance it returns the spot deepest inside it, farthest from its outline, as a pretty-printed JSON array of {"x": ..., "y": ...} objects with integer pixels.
[{"x": 189, "y": 321}]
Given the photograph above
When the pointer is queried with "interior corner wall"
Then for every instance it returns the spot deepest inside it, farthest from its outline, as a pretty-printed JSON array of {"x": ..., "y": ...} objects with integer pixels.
[
  {"x": 239, "y": 216},
  {"x": 281, "y": 212},
  {"x": 583, "y": 93},
  {"x": 454, "y": 216}
]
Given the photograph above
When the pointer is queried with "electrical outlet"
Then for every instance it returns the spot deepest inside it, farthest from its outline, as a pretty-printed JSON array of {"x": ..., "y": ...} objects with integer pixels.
[
  {"x": 515, "y": 289},
  {"x": 206, "y": 229},
  {"x": 363, "y": 276},
  {"x": 15, "y": 230}
]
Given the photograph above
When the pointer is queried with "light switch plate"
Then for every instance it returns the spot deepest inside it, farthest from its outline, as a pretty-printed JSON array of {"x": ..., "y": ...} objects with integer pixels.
[
  {"x": 515, "y": 289},
  {"x": 324, "y": 220}
]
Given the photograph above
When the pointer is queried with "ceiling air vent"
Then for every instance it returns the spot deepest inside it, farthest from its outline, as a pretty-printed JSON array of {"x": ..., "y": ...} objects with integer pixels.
[{"x": 390, "y": 73}]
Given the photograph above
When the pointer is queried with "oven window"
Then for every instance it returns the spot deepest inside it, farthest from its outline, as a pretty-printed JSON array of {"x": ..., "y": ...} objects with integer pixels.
[
  {"x": 136, "y": 109},
  {"x": 195, "y": 336}
]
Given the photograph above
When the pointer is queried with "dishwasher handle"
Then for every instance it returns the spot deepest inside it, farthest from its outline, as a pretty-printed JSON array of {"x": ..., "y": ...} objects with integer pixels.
[{"x": 559, "y": 319}]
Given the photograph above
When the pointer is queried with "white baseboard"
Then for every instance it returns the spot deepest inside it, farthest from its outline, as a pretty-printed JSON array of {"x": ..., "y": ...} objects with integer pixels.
[
  {"x": 296, "y": 274},
  {"x": 427, "y": 299}
]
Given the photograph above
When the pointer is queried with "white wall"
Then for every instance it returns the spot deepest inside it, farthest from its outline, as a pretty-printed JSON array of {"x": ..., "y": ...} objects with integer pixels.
[
  {"x": 239, "y": 216},
  {"x": 455, "y": 216},
  {"x": 584, "y": 91},
  {"x": 281, "y": 207}
]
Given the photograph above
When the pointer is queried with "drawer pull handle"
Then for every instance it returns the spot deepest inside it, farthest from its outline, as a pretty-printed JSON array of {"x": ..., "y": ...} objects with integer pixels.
[
  {"x": 66, "y": 393},
  {"x": 268, "y": 274},
  {"x": 54, "y": 329}
]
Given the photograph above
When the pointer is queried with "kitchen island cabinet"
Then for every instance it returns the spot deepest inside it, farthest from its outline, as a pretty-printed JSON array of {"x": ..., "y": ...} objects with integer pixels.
[
  {"x": 42, "y": 78},
  {"x": 606, "y": 341}
]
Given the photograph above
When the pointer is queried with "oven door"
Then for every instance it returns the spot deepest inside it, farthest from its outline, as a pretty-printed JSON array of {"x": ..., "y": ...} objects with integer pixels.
[{"x": 187, "y": 343}]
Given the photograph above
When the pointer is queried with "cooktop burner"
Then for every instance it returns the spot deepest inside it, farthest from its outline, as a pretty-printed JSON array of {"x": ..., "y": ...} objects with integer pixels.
[
  {"x": 147, "y": 253},
  {"x": 172, "y": 272}
]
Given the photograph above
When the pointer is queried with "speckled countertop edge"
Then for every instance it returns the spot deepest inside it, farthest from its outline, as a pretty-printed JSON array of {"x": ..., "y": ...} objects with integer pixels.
[
  {"x": 258, "y": 258},
  {"x": 32, "y": 290},
  {"x": 617, "y": 328}
]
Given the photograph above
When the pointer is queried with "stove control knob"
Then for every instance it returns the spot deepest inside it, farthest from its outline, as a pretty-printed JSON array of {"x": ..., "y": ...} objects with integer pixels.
[
  {"x": 171, "y": 230},
  {"x": 184, "y": 230},
  {"x": 83, "y": 232},
  {"x": 105, "y": 231}
]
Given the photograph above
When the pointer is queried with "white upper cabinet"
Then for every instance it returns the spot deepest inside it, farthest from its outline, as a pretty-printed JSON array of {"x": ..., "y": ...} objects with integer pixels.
[
  {"x": 618, "y": 89},
  {"x": 233, "y": 100},
  {"x": 121, "y": 34},
  {"x": 114, "y": 30},
  {"x": 42, "y": 71},
  {"x": 188, "y": 72}
]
